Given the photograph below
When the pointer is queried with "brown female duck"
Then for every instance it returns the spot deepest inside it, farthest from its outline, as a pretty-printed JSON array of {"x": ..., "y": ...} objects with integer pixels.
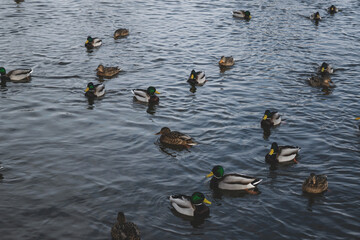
[
  {"x": 175, "y": 138},
  {"x": 107, "y": 71},
  {"x": 315, "y": 184}
]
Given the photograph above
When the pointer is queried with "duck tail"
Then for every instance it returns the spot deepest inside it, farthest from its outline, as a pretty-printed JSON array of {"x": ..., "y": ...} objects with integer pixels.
[{"x": 256, "y": 181}]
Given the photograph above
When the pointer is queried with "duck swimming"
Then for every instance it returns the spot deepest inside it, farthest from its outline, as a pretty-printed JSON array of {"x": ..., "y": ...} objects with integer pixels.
[
  {"x": 94, "y": 91},
  {"x": 315, "y": 184},
  {"x": 193, "y": 206},
  {"x": 242, "y": 14},
  {"x": 226, "y": 61},
  {"x": 147, "y": 96},
  {"x": 315, "y": 16},
  {"x": 281, "y": 154},
  {"x": 270, "y": 119},
  {"x": 123, "y": 230},
  {"x": 121, "y": 32},
  {"x": 332, "y": 9},
  {"x": 107, "y": 71},
  {"x": 197, "y": 78},
  {"x": 92, "y": 42},
  {"x": 16, "y": 75},
  {"x": 231, "y": 181},
  {"x": 175, "y": 138}
]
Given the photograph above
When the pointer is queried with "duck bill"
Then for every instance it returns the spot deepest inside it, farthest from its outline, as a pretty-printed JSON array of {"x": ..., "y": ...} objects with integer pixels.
[
  {"x": 192, "y": 76},
  {"x": 221, "y": 61},
  {"x": 358, "y": 118},
  {"x": 206, "y": 201},
  {"x": 322, "y": 69},
  {"x": 157, "y": 92},
  {"x": 158, "y": 133},
  {"x": 249, "y": 17},
  {"x": 210, "y": 174},
  {"x": 87, "y": 41},
  {"x": 87, "y": 89},
  {"x": 271, "y": 152},
  {"x": 265, "y": 117}
]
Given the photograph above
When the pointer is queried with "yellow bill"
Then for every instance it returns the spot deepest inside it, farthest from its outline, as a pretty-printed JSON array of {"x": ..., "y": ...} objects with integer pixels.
[
  {"x": 322, "y": 69},
  {"x": 265, "y": 117},
  {"x": 192, "y": 76},
  {"x": 271, "y": 152},
  {"x": 210, "y": 174},
  {"x": 157, "y": 92},
  {"x": 206, "y": 201},
  {"x": 87, "y": 89},
  {"x": 358, "y": 118},
  {"x": 87, "y": 41}
]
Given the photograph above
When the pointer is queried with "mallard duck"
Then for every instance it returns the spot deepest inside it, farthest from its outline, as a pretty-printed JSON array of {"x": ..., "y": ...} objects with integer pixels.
[
  {"x": 315, "y": 16},
  {"x": 15, "y": 75},
  {"x": 315, "y": 184},
  {"x": 332, "y": 9},
  {"x": 107, "y": 71},
  {"x": 281, "y": 154},
  {"x": 321, "y": 81},
  {"x": 92, "y": 42},
  {"x": 226, "y": 61},
  {"x": 123, "y": 230},
  {"x": 191, "y": 206},
  {"x": 121, "y": 32},
  {"x": 270, "y": 119},
  {"x": 175, "y": 138},
  {"x": 93, "y": 91},
  {"x": 147, "y": 96},
  {"x": 325, "y": 68},
  {"x": 232, "y": 181},
  {"x": 197, "y": 78},
  {"x": 242, "y": 14}
]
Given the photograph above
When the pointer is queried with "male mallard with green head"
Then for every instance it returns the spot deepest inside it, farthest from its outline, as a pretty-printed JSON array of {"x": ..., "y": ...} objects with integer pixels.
[
  {"x": 92, "y": 42},
  {"x": 175, "y": 138},
  {"x": 197, "y": 78},
  {"x": 315, "y": 184},
  {"x": 281, "y": 154},
  {"x": 270, "y": 119},
  {"x": 123, "y": 230},
  {"x": 94, "y": 91},
  {"x": 332, "y": 9},
  {"x": 242, "y": 14},
  {"x": 147, "y": 96},
  {"x": 192, "y": 206},
  {"x": 315, "y": 16},
  {"x": 121, "y": 32},
  {"x": 226, "y": 61},
  {"x": 233, "y": 181},
  {"x": 16, "y": 75},
  {"x": 107, "y": 71}
]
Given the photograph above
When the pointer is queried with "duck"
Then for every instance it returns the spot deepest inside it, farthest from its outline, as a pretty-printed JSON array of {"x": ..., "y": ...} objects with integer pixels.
[
  {"x": 175, "y": 138},
  {"x": 325, "y": 68},
  {"x": 332, "y": 9},
  {"x": 147, "y": 96},
  {"x": 315, "y": 16},
  {"x": 321, "y": 81},
  {"x": 242, "y": 14},
  {"x": 281, "y": 154},
  {"x": 197, "y": 78},
  {"x": 92, "y": 42},
  {"x": 231, "y": 181},
  {"x": 123, "y": 230},
  {"x": 270, "y": 119},
  {"x": 95, "y": 91},
  {"x": 107, "y": 71},
  {"x": 315, "y": 184},
  {"x": 16, "y": 75},
  {"x": 226, "y": 61},
  {"x": 121, "y": 32},
  {"x": 192, "y": 206}
]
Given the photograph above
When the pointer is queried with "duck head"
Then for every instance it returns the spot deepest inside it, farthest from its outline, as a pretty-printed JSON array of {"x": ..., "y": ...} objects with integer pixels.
[
  {"x": 317, "y": 16},
  {"x": 274, "y": 149},
  {"x": 217, "y": 172},
  {"x": 332, "y": 9},
  {"x": 89, "y": 39},
  {"x": 151, "y": 91},
  {"x": 312, "y": 179},
  {"x": 164, "y": 130},
  {"x": 197, "y": 198},
  {"x": 266, "y": 115},
  {"x": 247, "y": 15},
  {"x": 2, "y": 71},
  {"x": 192, "y": 74},
  {"x": 222, "y": 60},
  {"x": 121, "y": 218},
  {"x": 90, "y": 87},
  {"x": 100, "y": 68},
  {"x": 324, "y": 67}
]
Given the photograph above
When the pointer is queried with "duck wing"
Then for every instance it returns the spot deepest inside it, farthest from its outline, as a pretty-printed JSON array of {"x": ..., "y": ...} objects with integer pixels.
[
  {"x": 99, "y": 90},
  {"x": 200, "y": 79},
  {"x": 236, "y": 181},
  {"x": 97, "y": 42},
  {"x": 182, "y": 204},
  {"x": 288, "y": 150},
  {"x": 275, "y": 118},
  {"x": 19, "y": 74},
  {"x": 141, "y": 95}
]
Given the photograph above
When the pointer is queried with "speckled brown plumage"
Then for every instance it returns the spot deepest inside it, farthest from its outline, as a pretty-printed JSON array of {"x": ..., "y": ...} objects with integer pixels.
[
  {"x": 123, "y": 230},
  {"x": 107, "y": 71},
  {"x": 315, "y": 184},
  {"x": 175, "y": 138}
]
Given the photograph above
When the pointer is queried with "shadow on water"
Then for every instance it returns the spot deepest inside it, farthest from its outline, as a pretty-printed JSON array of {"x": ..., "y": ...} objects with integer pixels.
[
  {"x": 313, "y": 198},
  {"x": 151, "y": 107},
  {"x": 223, "y": 69},
  {"x": 219, "y": 194},
  {"x": 171, "y": 150},
  {"x": 194, "y": 221}
]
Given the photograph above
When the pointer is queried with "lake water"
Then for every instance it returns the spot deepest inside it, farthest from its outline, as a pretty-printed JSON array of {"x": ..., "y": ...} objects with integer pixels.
[{"x": 69, "y": 167}]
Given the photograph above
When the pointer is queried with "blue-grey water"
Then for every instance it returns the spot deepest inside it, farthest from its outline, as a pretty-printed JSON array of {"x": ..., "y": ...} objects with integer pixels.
[{"x": 69, "y": 167}]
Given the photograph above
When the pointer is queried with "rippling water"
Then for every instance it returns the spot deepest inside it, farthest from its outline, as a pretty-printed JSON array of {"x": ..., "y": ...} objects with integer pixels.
[{"x": 69, "y": 167}]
